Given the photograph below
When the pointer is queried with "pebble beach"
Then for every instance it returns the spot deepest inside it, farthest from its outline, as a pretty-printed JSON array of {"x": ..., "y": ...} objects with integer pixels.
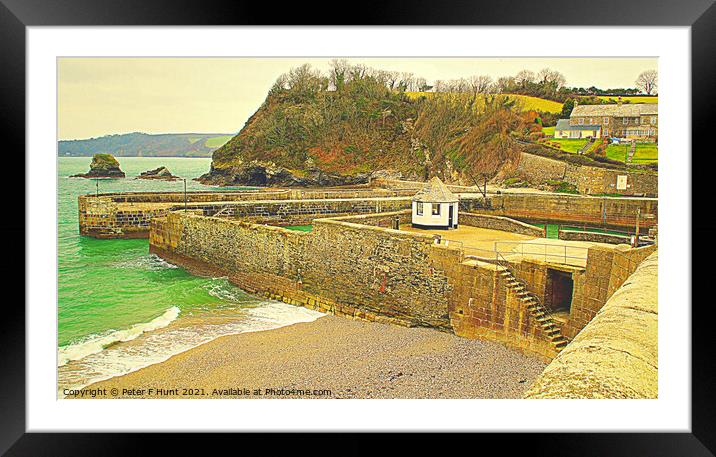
[{"x": 334, "y": 357}]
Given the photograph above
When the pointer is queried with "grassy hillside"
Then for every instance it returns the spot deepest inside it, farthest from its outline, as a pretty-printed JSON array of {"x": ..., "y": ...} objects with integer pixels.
[
  {"x": 631, "y": 99},
  {"x": 526, "y": 102},
  {"x": 146, "y": 145}
]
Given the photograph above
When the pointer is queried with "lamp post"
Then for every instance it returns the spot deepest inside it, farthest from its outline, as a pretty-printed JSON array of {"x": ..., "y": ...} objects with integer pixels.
[{"x": 184, "y": 179}]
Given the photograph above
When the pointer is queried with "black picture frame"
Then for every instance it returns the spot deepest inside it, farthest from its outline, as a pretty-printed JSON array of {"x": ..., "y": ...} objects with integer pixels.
[{"x": 16, "y": 15}]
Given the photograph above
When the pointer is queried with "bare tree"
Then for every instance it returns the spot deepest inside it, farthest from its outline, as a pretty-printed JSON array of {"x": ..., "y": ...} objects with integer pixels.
[
  {"x": 648, "y": 81},
  {"x": 524, "y": 77},
  {"x": 552, "y": 78},
  {"x": 339, "y": 73},
  {"x": 480, "y": 83}
]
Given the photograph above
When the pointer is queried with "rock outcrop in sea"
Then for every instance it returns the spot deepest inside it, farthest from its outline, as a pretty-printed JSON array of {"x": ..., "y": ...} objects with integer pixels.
[
  {"x": 162, "y": 173},
  {"x": 102, "y": 166}
]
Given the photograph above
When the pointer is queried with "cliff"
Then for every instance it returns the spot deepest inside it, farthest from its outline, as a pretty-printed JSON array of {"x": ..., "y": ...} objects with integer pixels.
[{"x": 307, "y": 133}]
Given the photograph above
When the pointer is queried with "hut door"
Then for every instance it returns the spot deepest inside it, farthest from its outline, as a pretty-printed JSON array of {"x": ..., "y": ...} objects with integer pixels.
[{"x": 450, "y": 216}]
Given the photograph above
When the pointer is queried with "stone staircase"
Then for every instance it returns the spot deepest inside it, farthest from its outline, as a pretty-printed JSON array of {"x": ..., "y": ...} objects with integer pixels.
[
  {"x": 538, "y": 312},
  {"x": 587, "y": 145},
  {"x": 632, "y": 150}
]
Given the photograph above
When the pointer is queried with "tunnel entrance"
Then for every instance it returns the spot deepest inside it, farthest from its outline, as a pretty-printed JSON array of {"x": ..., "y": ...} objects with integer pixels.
[{"x": 559, "y": 290}]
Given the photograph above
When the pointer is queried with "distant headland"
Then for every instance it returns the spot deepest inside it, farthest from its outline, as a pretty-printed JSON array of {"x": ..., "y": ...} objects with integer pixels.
[{"x": 139, "y": 144}]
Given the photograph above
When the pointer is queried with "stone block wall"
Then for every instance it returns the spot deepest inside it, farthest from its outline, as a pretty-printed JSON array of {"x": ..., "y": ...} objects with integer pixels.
[
  {"x": 300, "y": 212},
  {"x": 606, "y": 271},
  {"x": 616, "y": 354},
  {"x": 614, "y": 212},
  {"x": 588, "y": 180},
  {"x": 363, "y": 271},
  {"x": 352, "y": 266},
  {"x": 104, "y": 217},
  {"x": 482, "y": 306},
  {"x": 577, "y": 235},
  {"x": 500, "y": 223}
]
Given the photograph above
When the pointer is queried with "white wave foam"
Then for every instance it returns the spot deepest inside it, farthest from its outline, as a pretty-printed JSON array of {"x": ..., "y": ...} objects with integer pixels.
[
  {"x": 156, "y": 347},
  {"x": 150, "y": 262},
  {"x": 223, "y": 290},
  {"x": 96, "y": 343}
]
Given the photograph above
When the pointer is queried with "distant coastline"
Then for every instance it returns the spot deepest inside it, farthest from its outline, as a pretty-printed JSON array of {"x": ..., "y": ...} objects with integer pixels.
[{"x": 139, "y": 144}]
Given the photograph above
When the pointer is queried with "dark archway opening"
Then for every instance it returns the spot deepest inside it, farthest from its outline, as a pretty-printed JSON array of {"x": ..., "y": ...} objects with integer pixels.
[{"x": 559, "y": 290}]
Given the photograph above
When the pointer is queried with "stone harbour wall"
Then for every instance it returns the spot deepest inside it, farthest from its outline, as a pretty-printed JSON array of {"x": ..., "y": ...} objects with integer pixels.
[
  {"x": 129, "y": 215},
  {"x": 366, "y": 272},
  {"x": 351, "y": 266},
  {"x": 578, "y": 235},
  {"x": 501, "y": 223},
  {"x": 483, "y": 307},
  {"x": 616, "y": 354},
  {"x": 614, "y": 212},
  {"x": 103, "y": 217},
  {"x": 588, "y": 180},
  {"x": 300, "y": 212},
  {"x": 605, "y": 272}
]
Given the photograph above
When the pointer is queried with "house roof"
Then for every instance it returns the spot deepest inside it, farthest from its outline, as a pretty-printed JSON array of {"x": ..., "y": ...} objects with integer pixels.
[
  {"x": 563, "y": 124},
  {"x": 623, "y": 110},
  {"x": 435, "y": 191}
]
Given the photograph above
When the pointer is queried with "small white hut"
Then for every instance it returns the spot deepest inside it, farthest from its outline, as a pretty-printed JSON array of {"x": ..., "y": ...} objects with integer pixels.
[{"x": 435, "y": 207}]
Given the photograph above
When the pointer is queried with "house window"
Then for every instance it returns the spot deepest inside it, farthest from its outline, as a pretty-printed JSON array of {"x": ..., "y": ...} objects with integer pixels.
[
  {"x": 644, "y": 120},
  {"x": 606, "y": 121},
  {"x": 419, "y": 208},
  {"x": 653, "y": 119},
  {"x": 580, "y": 121},
  {"x": 436, "y": 209},
  {"x": 626, "y": 120},
  {"x": 591, "y": 120}
]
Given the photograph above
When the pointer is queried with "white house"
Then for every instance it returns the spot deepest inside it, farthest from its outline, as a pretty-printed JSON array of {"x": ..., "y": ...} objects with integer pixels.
[{"x": 435, "y": 207}]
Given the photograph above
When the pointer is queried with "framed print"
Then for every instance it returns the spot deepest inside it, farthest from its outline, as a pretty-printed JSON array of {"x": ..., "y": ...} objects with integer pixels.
[{"x": 427, "y": 220}]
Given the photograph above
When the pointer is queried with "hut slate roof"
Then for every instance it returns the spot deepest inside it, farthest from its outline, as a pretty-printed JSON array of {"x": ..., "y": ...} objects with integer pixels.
[{"x": 436, "y": 192}]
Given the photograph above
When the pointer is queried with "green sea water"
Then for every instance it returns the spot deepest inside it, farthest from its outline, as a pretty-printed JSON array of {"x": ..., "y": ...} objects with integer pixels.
[{"x": 120, "y": 308}]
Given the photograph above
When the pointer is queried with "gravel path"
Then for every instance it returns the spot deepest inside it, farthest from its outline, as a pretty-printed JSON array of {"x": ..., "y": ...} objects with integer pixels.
[{"x": 350, "y": 359}]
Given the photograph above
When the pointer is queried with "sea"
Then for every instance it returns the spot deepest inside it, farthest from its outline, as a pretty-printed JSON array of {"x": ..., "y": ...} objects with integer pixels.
[{"x": 120, "y": 308}]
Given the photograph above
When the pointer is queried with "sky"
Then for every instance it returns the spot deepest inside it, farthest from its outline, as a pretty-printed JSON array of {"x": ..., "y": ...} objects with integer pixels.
[{"x": 101, "y": 96}]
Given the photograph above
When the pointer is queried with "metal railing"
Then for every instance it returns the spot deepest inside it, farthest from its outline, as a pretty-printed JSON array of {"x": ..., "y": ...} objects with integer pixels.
[{"x": 557, "y": 253}]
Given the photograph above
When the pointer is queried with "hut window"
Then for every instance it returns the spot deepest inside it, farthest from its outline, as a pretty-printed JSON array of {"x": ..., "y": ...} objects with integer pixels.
[
  {"x": 419, "y": 208},
  {"x": 436, "y": 209}
]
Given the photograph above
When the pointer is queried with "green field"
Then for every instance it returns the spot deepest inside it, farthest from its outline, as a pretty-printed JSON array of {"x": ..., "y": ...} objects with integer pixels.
[
  {"x": 217, "y": 141},
  {"x": 646, "y": 153},
  {"x": 617, "y": 152},
  {"x": 632, "y": 99},
  {"x": 300, "y": 228},
  {"x": 528, "y": 103},
  {"x": 569, "y": 145}
]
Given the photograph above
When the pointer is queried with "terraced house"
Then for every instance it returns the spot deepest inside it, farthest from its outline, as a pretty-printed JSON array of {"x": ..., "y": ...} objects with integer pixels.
[{"x": 631, "y": 120}]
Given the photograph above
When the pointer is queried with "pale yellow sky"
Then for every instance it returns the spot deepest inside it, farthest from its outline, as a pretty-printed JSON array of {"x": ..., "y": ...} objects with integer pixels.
[{"x": 100, "y": 96}]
